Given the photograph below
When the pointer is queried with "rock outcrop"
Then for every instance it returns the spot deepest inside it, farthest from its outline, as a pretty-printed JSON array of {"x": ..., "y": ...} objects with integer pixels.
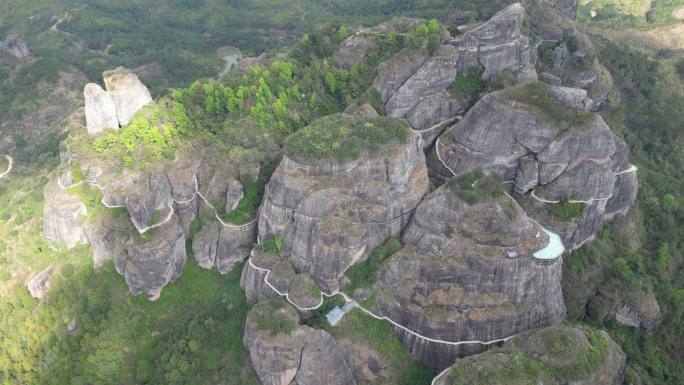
[
  {"x": 149, "y": 215},
  {"x": 63, "y": 216},
  {"x": 286, "y": 353},
  {"x": 154, "y": 260},
  {"x": 639, "y": 310},
  {"x": 467, "y": 272},
  {"x": 38, "y": 285},
  {"x": 332, "y": 214},
  {"x": 560, "y": 355},
  {"x": 15, "y": 47},
  {"x": 548, "y": 148},
  {"x": 353, "y": 49},
  {"x": 100, "y": 112},
  {"x": 413, "y": 84},
  {"x": 114, "y": 108},
  {"x": 127, "y": 91}
]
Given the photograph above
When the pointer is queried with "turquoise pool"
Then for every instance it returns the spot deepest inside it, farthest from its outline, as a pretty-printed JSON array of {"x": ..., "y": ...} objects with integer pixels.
[{"x": 554, "y": 249}]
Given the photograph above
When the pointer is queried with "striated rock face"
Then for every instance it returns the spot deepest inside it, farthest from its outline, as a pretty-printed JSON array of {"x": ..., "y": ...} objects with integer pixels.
[
  {"x": 560, "y": 355},
  {"x": 333, "y": 214},
  {"x": 639, "y": 309},
  {"x": 149, "y": 264},
  {"x": 63, "y": 216},
  {"x": 352, "y": 51},
  {"x": 542, "y": 141},
  {"x": 222, "y": 247},
  {"x": 149, "y": 215},
  {"x": 128, "y": 93},
  {"x": 285, "y": 353},
  {"x": 413, "y": 84},
  {"x": 15, "y": 47},
  {"x": 39, "y": 285},
  {"x": 467, "y": 273},
  {"x": 114, "y": 108},
  {"x": 100, "y": 112}
]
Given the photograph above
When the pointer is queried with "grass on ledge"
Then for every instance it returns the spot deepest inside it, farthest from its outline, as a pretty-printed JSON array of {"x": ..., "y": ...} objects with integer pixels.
[
  {"x": 565, "y": 210},
  {"x": 475, "y": 186},
  {"x": 537, "y": 95},
  {"x": 345, "y": 137}
]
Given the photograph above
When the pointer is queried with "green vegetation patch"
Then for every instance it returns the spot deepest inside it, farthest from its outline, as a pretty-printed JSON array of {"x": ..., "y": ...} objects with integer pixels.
[
  {"x": 565, "y": 210},
  {"x": 377, "y": 335},
  {"x": 344, "y": 137},
  {"x": 537, "y": 94},
  {"x": 520, "y": 368},
  {"x": 275, "y": 317},
  {"x": 476, "y": 186},
  {"x": 362, "y": 274},
  {"x": 191, "y": 335},
  {"x": 271, "y": 244}
]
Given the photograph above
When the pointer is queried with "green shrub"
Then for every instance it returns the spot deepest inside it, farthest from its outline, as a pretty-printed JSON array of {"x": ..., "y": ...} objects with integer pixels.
[
  {"x": 67, "y": 270},
  {"x": 565, "y": 210},
  {"x": 271, "y": 244},
  {"x": 537, "y": 95},
  {"x": 362, "y": 274},
  {"x": 344, "y": 137},
  {"x": 468, "y": 87},
  {"x": 476, "y": 186}
]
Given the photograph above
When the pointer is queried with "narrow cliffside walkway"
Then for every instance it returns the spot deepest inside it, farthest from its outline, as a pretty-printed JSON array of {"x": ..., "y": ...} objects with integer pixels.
[
  {"x": 143, "y": 229},
  {"x": 370, "y": 313},
  {"x": 10, "y": 164}
]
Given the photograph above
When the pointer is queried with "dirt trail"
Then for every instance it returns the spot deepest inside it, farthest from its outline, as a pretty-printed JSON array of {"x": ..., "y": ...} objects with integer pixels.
[{"x": 10, "y": 164}]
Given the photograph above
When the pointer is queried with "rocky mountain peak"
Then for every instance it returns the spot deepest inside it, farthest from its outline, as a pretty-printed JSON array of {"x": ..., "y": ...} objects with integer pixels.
[{"x": 114, "y": 108}]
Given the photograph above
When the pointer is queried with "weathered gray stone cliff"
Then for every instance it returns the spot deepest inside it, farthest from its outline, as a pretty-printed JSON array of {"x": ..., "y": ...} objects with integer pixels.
[
  {"x": 127, "y": 91},
  {"x": 413, "y": 83},
  {"x": 467, "y": 273},
  {"x": 63, "y": 216},
  {"x": 148, "y": 215},
  {"x": 545, "y": 145},
  {"x": 332, "y": 214},
  {"x": 286, "y": 353},
  {"x": 114, "y": 108}
]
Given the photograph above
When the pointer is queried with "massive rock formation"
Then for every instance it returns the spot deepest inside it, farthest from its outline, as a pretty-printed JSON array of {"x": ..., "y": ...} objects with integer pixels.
[
  {"x": 413, "y": 85},
  {"x": 15, "y": 47},
  {"x": 148, "y": 216},
  {"x": 467, "y": 272},
  {"x": 127, "y": 91},
  {"x": 154, "y": 259},
  {"x": 559, "y": 355},
  {"x": 285, "y": 353},
  {"x": 100, "y": 112},
  {"x": 63, "y": 216},
  {"x": 115, "y": 108},
  {"x": 332, "y": 214},
  {"x": 548, "y": 150}
]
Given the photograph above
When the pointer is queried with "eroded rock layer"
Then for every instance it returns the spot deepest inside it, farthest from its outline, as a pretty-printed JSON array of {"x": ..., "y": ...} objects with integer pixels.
[
  {"x": 286, "y": 353},
  {"x": 467, "y": 273},
  {"x": 549, "y": 149},
  {"x": 332, "y": 214},
  {"x": 413, "y": 83}
]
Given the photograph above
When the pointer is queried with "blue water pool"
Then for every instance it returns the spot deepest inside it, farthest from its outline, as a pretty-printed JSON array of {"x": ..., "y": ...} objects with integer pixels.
[{"x": 554, "y": 249}]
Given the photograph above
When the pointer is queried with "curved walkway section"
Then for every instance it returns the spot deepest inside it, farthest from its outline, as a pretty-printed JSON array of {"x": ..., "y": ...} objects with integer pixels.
[
  {"x": 144, "y": 229},
  {"x": 10, "y": 164},
  {"x": 370, "y": 313}
]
